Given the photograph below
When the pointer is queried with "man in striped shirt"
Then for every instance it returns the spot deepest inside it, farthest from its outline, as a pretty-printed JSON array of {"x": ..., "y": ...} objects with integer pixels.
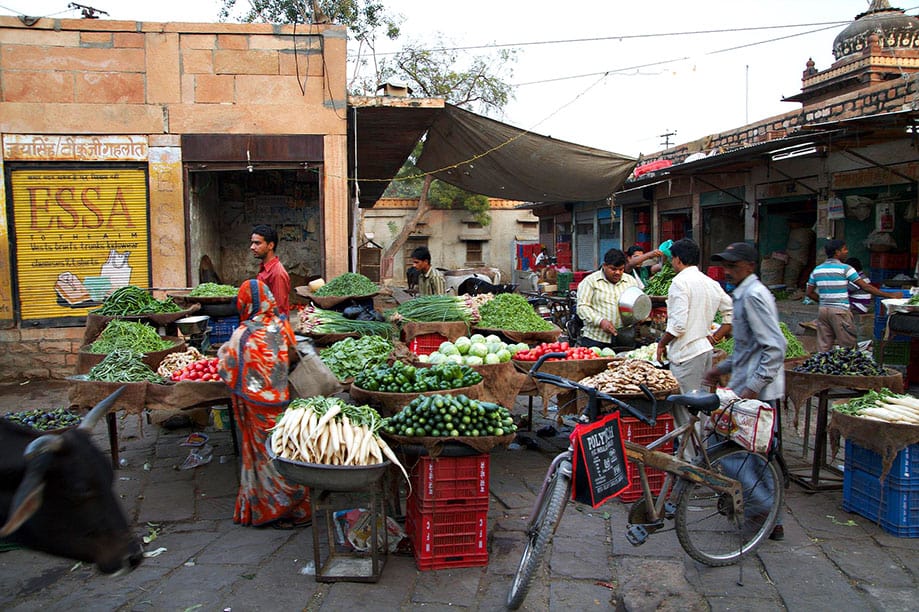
[
  {"x": 829, "y": 285},
  {"x": 598, "y": 302}
]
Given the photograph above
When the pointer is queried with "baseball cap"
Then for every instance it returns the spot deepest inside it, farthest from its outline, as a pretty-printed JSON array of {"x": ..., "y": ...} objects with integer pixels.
[{"x": 737, "y": 251}]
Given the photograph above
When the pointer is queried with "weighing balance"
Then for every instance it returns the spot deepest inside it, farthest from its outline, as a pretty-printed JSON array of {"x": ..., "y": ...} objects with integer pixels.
[{"x": 194, "y": 330}]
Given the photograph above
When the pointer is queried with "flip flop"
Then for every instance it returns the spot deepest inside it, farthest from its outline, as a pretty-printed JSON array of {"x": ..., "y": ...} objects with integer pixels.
[{"x": 288, "y": 524}]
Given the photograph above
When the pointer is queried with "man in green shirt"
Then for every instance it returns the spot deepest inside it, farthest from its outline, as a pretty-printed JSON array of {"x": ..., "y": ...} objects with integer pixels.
[{"x": 430, "y": 280}]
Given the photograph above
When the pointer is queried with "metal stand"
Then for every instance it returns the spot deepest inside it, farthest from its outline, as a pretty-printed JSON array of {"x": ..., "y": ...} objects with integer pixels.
[
  {"x": 820, "y": 476},
  {"x": 334, "y": 558}
]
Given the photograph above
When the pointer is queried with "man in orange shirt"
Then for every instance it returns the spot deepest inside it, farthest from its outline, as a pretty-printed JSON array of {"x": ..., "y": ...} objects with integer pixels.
[{"x": 271, "y": 271}]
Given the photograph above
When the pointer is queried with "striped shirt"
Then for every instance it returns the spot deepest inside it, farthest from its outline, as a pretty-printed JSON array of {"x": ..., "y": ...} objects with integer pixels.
[
  {"x": 832, "y": 278},
  {"x": 432, "y": 282},
  {"x": 859, "y": 299},
  {"x": 598, "y": 299}
]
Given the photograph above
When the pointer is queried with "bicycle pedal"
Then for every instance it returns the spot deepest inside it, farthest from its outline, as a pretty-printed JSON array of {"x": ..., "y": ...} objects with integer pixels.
[
  {"x": 636, "y": 535},
  {"x": 669, "y": 510}
]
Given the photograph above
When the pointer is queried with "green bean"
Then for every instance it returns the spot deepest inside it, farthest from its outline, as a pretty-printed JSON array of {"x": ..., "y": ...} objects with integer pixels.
[
  {"x": 130, "y": 300},
  {"x": 124, "y": 365},
  {"x": 120, "y": 334},
  {"x": 213, "y": 290}
]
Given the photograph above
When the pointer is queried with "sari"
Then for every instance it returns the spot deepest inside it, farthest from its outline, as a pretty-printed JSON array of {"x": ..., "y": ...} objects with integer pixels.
[{"x": 254, "y": 364}]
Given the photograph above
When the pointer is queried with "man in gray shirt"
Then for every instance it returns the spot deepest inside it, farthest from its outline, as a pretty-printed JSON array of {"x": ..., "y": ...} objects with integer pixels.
[{"x": 756, "y": 365}]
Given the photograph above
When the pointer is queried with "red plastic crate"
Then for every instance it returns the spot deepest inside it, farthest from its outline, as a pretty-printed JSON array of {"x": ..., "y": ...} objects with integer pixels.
[
  {"x": 448, "y": 536},
  {"x": 425, "y": 344},
  {"x": 450, "y": 478},
  {"x": 634, "y": 430}
]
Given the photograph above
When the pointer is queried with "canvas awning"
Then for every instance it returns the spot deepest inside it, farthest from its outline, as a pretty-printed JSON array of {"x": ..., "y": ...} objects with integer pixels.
[{"x": 485, "y": 156}]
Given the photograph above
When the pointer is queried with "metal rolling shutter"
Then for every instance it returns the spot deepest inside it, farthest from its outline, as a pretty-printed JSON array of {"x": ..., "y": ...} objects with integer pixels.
[{"x": 79, "y": 235}]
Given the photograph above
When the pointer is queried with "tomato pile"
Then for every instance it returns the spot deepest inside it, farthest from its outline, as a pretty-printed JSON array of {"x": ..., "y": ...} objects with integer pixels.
[
  {"x": 571, "y": 352},
  {"x": 201, "y": 370}
]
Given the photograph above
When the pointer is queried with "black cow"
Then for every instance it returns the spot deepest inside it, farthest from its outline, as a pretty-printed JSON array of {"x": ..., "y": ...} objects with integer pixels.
[
  {"x": 56, "y": 495},
  {"x": 477, "y": 286}
]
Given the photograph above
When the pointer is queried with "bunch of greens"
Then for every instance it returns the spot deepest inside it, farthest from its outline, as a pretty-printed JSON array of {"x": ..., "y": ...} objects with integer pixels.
[
  {"x": 512, "y": 312},
  {"x": 436, "y": 308},
  {"x": 868, "y": 400},
  {"x": 213, "y": 290},
  {"x": 793, "y": 347},
  {"x": 334, "y": 322},
  {"x": 347, "y": 358},
  {"x": 130, "y": 301},
  {"x": 349, "y": 283},
  {"x": 913, "y": 300},
  {"x": 137, "y": 337},
  {"x": 660, "y": 282},
  {"x": 124, "y": 365}
]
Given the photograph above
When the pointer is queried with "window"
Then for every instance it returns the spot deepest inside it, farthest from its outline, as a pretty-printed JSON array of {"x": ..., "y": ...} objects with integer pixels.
[{"x": 474, "y": 252}]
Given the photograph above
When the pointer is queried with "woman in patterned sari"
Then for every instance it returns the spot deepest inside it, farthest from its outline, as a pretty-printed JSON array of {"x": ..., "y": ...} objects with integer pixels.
[{"x": 254, "y": 364}]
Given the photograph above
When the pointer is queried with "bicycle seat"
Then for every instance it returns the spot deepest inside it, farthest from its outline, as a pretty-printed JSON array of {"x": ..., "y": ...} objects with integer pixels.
[{"x": 696, "y": 400}]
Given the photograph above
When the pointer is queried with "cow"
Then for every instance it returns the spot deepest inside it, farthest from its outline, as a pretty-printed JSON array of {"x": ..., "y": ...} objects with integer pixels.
[
  {"x": 477, "y": 286},
  {"x": 56, "y": 495}
]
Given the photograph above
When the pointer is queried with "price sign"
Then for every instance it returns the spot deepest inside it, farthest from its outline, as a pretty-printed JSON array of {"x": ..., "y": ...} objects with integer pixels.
[{"x": 599, "y": 461}]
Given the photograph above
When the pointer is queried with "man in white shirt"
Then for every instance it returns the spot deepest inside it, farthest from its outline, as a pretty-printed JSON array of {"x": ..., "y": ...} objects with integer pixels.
[{"x": 692, "y": 302}]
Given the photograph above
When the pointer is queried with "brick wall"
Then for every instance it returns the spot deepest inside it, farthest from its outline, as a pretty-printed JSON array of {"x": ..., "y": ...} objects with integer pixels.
[{"x": 39, "y": 353}]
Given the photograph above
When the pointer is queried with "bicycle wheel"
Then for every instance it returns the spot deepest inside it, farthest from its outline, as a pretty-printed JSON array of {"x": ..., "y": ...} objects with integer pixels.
[
  {"x": 548, "y": 516},
  {"x": 706, "y": 523}
]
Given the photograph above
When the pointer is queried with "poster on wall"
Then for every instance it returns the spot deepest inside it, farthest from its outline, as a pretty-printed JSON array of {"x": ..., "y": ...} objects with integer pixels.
[
  {"x": 79, "y": 235},
  {"x": 885, "y": 211}
]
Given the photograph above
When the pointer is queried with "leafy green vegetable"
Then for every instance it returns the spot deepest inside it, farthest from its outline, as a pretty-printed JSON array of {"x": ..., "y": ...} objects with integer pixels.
[
  {"x": 349, "y": 283},
  {"x": 793, "y": 348},
  {"x": 436, "y": 308},
  {"x": 214, "y": 290},
  {"x": 660, "y": 282},
  {"x": 512, "y": 312},
  {"x": 347, "y": 358},
  {"x": 868, "y": 400}
]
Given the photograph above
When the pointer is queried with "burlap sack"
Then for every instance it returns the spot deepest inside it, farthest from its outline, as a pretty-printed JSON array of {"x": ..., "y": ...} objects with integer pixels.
[
  {"x": 96, "y": 323},
  {"x": 451, "y": 330}
]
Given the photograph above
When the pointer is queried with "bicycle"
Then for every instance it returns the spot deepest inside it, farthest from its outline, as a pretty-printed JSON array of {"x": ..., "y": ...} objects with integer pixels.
[{"x": 709, "y": 508}]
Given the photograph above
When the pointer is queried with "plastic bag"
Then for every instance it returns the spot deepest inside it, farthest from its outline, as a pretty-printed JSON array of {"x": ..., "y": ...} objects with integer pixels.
[
  {"x": 748, "y": 422},
  {"x": 116, "y": 268},
  {"x": 359, "y": 530}
]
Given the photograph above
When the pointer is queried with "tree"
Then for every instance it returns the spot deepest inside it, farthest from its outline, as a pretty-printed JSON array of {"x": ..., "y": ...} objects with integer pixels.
[{"x": 435, "y": 73}]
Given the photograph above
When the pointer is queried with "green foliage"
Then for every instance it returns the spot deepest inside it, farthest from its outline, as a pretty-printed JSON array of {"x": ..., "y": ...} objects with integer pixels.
[
  {"x": 447, "y": 196},
  {"x": 363, "y": 17}
]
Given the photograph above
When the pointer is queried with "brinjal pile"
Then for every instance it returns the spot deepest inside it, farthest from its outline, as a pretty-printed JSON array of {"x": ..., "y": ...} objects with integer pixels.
[{"x": 840, "y": 361}]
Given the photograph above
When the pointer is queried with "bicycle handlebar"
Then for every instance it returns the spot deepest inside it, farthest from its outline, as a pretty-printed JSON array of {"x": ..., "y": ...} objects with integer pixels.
[{"x": 593, "y": 395}]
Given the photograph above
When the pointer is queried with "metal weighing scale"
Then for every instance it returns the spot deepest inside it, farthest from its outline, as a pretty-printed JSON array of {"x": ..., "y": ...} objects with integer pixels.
[{"x": 194, "y": 330}]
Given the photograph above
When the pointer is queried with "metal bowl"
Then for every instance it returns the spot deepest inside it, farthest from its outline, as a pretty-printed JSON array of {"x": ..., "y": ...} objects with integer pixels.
[
  {"x": 193, "y": 325},
  {"x": 329, "y": 477},
  {"x": 634, "y": 306}
]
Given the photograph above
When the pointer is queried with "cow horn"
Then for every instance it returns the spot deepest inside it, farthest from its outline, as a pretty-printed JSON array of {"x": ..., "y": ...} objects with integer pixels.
[{"x": 92, "y": 419}]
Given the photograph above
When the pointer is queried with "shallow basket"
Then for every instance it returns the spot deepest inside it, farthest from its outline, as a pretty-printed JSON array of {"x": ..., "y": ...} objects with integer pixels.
[{"x": 328, "y": 477}]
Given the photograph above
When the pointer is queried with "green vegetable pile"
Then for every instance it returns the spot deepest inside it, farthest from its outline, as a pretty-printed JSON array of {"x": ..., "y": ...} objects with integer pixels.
[
  {"x": 333, "y": 322},
  {"x": 793, "y": 347},
  {"x": 214, "y": 290},
  {"x": 130, "y": 301},
  {"x": 840, "y": 361},
  {"x": 512, "y": 312},
  {"x": 351, "y": 356},
  {"x": 434, "y": 308},
  {"x": 138, "y": 337},
  {"x": 660, "y": 283},
  {"x": 868, "y": 400},
  {"x": 913, "y": 300},
  {"x": 349, "y": 283},
  {"x": 43, "y": 420},
  {"x": 403, "y": 378},
  {"x": 124, "y": 365},
  {"x": 450, "y": 415}
]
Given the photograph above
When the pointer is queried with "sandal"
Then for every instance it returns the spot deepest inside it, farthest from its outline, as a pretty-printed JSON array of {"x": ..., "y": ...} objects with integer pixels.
[{"x": 288, "y": 524}]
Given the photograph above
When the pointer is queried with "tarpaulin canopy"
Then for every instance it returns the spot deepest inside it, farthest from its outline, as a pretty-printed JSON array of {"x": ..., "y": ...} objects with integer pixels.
[{"x": 485, "y": 156}]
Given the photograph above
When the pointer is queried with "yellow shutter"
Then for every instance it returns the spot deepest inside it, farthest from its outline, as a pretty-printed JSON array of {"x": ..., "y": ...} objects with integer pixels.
[{"x": 79, "y": 235}]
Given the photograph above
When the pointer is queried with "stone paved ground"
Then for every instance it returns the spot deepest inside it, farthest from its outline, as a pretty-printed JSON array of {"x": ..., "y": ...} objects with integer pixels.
[{"x": 830, "y": 559}]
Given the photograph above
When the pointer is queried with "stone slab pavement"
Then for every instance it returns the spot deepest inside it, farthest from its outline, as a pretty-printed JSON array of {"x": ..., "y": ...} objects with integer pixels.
[{"x": 830, "y": 559}]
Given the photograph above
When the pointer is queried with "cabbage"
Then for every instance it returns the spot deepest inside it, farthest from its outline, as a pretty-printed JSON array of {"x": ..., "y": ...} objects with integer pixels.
[
  {"x": 437, "y": 357},
  {"x": 494, "y": 347},
  {"x": 503, "y": 355},
  {"x": 492, "y": 338},
  {"x": 448, "y": 348},
  {"x": 597, "y": 350},
  {"x": 520, "y": 346},
  {"x": 424, "y": 358},
  {"x": 462, "y": 345},
  {"x": 478, "y": 349},
  {"x": 608, "y": 352},
  {"x": 456, "y": 358},
  {"x": 491, "y": 358},
  {"x": 473, "y": 360},
  {"x": 476, "y": 338}
]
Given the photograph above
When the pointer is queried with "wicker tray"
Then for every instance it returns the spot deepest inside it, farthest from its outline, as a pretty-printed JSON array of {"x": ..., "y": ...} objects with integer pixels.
[{"x": 327, "y": 302}]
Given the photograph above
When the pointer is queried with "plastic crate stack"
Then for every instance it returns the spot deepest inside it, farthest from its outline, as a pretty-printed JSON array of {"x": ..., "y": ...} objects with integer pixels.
[
  {"x": 894, "y": 505},
  {"x": 447, "y": 512},
  {"x": 880, "y": 317},
  {"x": 425, "y": 344},
  {"x": 635, "y": 431},
  {"x": 221, "y": 329}
]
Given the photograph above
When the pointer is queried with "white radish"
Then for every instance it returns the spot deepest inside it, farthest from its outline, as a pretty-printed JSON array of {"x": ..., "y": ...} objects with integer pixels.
[{"x": 328, "y": 416}]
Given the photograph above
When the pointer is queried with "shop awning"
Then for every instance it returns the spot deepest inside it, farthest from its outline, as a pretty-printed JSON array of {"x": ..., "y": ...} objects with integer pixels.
[
  {"x": 473, "y": 152},
  {"x": 485, "y": 156}
]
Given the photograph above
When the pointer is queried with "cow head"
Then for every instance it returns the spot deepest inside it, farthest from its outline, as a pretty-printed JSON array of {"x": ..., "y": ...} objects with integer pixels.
[{"x": 64, "y": 504}]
